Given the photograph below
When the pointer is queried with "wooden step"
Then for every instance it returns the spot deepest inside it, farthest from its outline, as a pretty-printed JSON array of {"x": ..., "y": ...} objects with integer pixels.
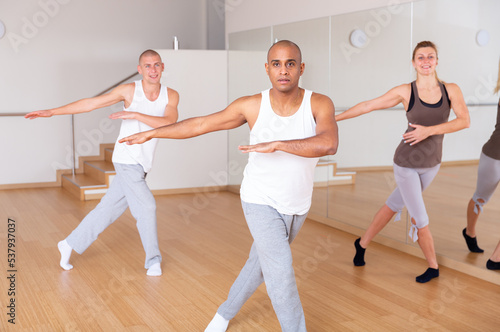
[
  {"x": 99, "y": 169},
  {"x": 337, "y": 178},
  {"x": 77, "y": 184},
  {"x": 108, "y": 154},
  {"x": 93, "y": 177}
]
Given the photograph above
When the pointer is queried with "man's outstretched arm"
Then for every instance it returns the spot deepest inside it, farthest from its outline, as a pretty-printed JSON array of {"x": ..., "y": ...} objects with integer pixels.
[
  {"x": 85, "y": 105},
  {"x": 231, "y": 117}
]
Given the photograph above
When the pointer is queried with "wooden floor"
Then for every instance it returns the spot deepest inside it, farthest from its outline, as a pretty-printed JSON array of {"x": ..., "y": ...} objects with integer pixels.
[{"x": 204, "y": 242}]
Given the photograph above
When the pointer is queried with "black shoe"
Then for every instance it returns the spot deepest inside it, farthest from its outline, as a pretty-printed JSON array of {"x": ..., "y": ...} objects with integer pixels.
[
  {"x": 491, "y": 265},
  {"x": 429, "y": 274},
  {"x": 359, "y": 258},
  {"x": 471, "y": 242}
]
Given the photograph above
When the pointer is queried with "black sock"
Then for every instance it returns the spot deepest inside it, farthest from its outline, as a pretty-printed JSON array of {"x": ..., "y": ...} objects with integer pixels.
[
  {"x": 428, "y": 275},
  {"x": 359, "y": 259},
  {"x": 491, "y": 265},
  {"x": 471, "y": 242}
]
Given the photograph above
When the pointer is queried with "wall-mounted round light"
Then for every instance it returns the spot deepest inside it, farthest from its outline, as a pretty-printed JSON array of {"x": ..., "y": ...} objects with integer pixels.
[
  {"x": 483, "y": 37},
  {"x": 2, "y": 29},
  {"x": 358, "y": 38}
]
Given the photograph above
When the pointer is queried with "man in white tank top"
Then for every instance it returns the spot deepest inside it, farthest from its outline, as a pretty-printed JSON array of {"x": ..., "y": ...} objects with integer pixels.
[
  {"x": 290, "y": 129},
  {"x": 147, "y": 105}
]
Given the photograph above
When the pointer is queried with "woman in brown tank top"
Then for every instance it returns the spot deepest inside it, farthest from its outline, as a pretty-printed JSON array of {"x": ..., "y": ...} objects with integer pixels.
[
  {"x": 418, "y": 157},
  {"x": 488, "y": 177}
]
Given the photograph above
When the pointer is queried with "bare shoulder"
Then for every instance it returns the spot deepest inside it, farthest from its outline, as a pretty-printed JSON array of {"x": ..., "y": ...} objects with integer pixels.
[
  {"x": 126, "y": 90},
  {"x": 399, "y": 94},
  {"x": 320, "y": 99},
  {"x": 245, "y": 108},
  {"x": 321, "y": 103},
  {"x": 248, "y": 103},
  {"x": 453, "y": 89},
  {"x": 126, "y": 87},
  {"x": 172, "y": 94},
  {"x": 252, "y": 99},
  {"x": 403, "y": 89},
  {"x": 123, "y": 92}
]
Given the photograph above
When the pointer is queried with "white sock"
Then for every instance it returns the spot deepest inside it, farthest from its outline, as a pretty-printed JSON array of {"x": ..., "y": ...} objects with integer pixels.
[
  {"x": 65, "y": 251},
  {"x": 218, "y": 324},
  {"x": 154, "y": 270}
]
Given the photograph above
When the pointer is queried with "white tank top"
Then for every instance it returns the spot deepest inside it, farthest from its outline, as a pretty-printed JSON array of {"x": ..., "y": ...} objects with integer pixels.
[
  {"x": 279, "y": 179},
  {"x": 141, "y": 154}
]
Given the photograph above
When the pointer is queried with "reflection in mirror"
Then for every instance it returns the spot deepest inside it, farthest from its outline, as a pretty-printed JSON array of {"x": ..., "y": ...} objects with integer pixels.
[
  {"x": 352, "y": 74},
  {"x": 367, "y": 143},
  {"x": 447, "y": 199},
  {"x": 474, "y": 68}
]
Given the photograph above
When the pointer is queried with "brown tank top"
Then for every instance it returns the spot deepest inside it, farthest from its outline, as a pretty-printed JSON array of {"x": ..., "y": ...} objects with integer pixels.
[
  {"x": 492, "y": 147},
  {"x": 427, "y": 153}
]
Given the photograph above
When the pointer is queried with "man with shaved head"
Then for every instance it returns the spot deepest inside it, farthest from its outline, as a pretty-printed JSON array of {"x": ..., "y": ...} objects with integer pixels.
[
  {"x": 290, "y": 128},
  {"x": 147, "y": 104}
]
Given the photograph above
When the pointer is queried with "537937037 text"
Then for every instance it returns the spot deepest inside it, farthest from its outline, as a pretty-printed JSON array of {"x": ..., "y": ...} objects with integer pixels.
[{"x": 12, "y": 270}]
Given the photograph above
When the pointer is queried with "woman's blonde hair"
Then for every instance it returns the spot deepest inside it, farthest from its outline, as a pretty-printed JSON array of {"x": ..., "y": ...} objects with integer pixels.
[{"x": 423, "y": 44}]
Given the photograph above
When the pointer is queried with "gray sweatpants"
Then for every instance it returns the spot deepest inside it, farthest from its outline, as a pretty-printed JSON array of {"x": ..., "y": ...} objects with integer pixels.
[
  {"x": 270, "y": 261},
  {"x": 488, "y": 177},
  {"x": 128, "y": 189}
]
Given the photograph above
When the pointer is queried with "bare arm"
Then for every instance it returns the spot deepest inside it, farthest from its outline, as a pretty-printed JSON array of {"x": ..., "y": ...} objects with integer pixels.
[
  {"x": 461, "y": 121},
  {"x": 231, "y": 117},
  {"x": 325, "y": 141},
  {"x": 116, "y": 95},
  {"x": 170, "y": 116},
  {"x": 390, "y": 99}
]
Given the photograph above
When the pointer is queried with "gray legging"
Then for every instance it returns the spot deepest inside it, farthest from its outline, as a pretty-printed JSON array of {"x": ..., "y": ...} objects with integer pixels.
[
  {"x": 411, "y": 183},
  {"x": 488, "y": 176}
]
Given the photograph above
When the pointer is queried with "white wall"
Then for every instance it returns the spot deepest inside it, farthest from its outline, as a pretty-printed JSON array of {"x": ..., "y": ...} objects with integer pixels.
[
  {"x": 58, "y": 51},
  {"x": 200, "y": 77},
  {"x": 31, "y": 149}
]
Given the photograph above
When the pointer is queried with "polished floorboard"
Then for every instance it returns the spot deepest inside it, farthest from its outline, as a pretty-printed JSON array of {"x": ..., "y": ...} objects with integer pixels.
[{"x": 204, "y": 242}]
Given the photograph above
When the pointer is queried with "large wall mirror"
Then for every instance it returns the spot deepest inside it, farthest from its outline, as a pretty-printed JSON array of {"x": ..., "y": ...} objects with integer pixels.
[{"x": 361, "y": 55}]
